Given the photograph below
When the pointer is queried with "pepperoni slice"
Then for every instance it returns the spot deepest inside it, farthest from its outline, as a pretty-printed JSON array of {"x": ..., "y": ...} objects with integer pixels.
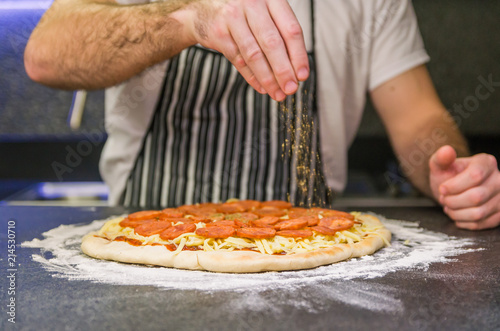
[
  {"x": 277, "y": 204},
  {"x": 216, "y": 232},
  {"x": 128, "y": 223},
  {"x": 244, "y": 217},
  {"x": 197, "y": 219},
  {"x": 144, "y": 215},
  {"x": 295, "y": 233},
  {"x": 331, "y": 213},
  {"x": 241, "y": 224},
  {"x": 318, "y": 210},
  {"x": 206, "y": 216},
  {"x": 152, "y": 228},
  {"x": 208, "y": 205},
  {"x": 324, "y": 230},
  {"x": 291, "y": 224},
  {"x": 255, "y": 233},
  {"x": 231, "y": 208},
  {"x": 336, "y": 223},
  {"x": 250, "y": 204},
  {"x": 297, "y": 212},
  {"x": 202, "y": 210},
  {"x": 248, "y": 217},
  {"x": 266, "y": 222},
  {"x": 173, "y": 220},
  {"x": 186, "y": 209},
  {"x": 176, "y": 230},
  {"x": 338, "y": 214},
  {"x": 171, "y": 213},
  {"x": 217, "y": 216},
  {"x": 311, "y": 220},
  {"x": 269, "y": 211},
  {"x": 223, "y": 223}
]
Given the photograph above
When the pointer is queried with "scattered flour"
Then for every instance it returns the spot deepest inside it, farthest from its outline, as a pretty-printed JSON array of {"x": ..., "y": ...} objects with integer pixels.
[{"x": 412, "y": 248}]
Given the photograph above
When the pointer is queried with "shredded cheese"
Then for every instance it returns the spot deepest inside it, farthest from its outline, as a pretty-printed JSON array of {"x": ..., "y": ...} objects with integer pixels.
[
  {"x": 275, "y": 245},
  {"x": 182, "y": 243}
]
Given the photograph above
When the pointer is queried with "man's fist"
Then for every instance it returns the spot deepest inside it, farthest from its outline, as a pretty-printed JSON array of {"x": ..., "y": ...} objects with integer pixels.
[{"x": 468, "y": 188}]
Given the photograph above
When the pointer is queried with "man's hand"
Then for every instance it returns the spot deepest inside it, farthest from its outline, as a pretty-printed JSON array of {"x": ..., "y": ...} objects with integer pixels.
[
  {"x": 468, "y": 188},
  {"x": 261, "y": 38}
]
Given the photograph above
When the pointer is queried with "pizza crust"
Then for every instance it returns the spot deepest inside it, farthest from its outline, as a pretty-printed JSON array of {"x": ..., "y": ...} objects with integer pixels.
[{"x": 234, "y": 261}]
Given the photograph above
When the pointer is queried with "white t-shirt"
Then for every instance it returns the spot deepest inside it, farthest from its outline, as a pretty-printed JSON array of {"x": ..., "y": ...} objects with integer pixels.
[{"x": 360, "y": 44}]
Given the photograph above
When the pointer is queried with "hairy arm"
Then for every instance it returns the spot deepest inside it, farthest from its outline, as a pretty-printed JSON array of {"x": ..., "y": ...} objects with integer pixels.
[
  {"x": 89, "y": 44},
  {"x": 417, "y": 122},
  {"x": 92, "y": 44}
]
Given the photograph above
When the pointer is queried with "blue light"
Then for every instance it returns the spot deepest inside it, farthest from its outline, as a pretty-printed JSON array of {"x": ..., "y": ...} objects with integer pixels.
[{"x": 25, "y": 4}]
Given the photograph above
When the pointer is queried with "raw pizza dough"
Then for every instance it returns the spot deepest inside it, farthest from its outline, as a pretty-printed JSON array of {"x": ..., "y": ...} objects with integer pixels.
[{"x": 241, "y": 261}]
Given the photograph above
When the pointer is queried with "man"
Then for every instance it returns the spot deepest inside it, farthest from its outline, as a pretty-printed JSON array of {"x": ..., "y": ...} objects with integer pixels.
[{"x": 201, "y": 133}]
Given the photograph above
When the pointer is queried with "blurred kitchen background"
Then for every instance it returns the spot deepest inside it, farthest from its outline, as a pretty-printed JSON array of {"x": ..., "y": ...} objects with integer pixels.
[{"x": 42, "y": 159}]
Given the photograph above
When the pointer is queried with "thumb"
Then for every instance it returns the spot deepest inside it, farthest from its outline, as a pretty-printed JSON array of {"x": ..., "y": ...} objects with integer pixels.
[
  {"x": 443, "y": 159},
  {"x": 441, "y": 168}
]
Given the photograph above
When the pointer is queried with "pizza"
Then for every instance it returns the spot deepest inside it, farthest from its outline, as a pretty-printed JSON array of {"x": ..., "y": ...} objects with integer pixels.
[{"x": 237, "y": 236}]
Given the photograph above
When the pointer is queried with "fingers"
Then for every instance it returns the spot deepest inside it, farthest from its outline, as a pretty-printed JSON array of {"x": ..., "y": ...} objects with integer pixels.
[
  {"x": 272, "y": 48},
  {"x": 479, "y": 168},
  {"x": 443, "y": 165},
  {"x": 262, "y": 38},
  {"x": 232, "y": 54},
  {"x": 475, "y": 213},
  {"x": 291, "y": 32},
  {"x": 271, "y": 43},
  {"x": 252, "y": 53},
  {"x": 472, "y": 197},
  {"x": 488, "y": 223},
  {"x": 443, "y": 158}
]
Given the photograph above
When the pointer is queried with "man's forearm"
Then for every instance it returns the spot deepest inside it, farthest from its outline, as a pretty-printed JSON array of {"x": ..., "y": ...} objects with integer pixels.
[
  {"x": 90, "y": 45},
  {"x": 417, "y": 122},
  {"x": 415, "y": 154}
]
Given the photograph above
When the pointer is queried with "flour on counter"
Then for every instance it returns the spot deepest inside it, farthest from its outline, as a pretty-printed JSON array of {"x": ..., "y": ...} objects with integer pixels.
[{"x": 412, "y": 248}]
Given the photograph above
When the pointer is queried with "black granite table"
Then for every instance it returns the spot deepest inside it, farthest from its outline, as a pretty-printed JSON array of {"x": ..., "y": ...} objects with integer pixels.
[{"x": 459, "y": 295}]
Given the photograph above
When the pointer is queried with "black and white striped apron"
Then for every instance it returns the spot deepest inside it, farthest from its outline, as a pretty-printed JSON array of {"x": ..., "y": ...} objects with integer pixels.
[{"x": 213, "y": 137}]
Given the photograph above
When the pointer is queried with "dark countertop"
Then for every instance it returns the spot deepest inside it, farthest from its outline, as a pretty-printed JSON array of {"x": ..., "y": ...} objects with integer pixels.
[{"x": 463, "y": 294}]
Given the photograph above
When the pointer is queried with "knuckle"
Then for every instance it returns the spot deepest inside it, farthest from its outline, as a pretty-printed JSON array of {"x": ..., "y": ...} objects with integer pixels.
[
  {"x": 252, "y": 80},
  {"x": 272, "y": 41},
  {"x": 450, "y": 213},
  {"x": 239, "y": 62},
  {"x": 478, "y": 197},
  {"x": 492, "y": 161},
  {"x": 253, "y": 53},
  {"x": 252, "y": 3},
  {"x": 281, "y": 71},
  {"x": 477, "y": 175},
  {"x": 471, "y": 226},
  {"x": 269, "y": 81},
  {"x": 293, "y": 30},
  {"x": 220, "y": 31},
  {"x": 478, "y": 214},
  {"x": 232, "y": 10},
  {"x": 231, "y": 53}
]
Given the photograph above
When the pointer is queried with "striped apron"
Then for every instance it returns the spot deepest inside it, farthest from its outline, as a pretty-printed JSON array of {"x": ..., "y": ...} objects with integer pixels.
[{"x": 213, "y": 137}]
